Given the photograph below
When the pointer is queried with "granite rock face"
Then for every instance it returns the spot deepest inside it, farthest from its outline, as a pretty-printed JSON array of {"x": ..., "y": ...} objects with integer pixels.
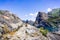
[
  {"x": 8, "y": 22},
  {"x": 41, "y": 21},
  {"x": 12, "y": 28},
  {"x": 41, "y": 17},
  {"x": 28, "y": 33}
]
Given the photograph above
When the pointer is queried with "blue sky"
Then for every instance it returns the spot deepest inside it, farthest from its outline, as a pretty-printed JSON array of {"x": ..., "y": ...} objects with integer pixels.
[{"x": 27, "y": 9}]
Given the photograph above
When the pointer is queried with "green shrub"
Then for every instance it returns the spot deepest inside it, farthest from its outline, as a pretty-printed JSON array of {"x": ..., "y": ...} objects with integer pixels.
[{"x": 43, "y": 31}]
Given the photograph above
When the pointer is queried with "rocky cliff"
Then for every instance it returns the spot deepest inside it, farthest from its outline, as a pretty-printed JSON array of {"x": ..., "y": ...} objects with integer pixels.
[
  {"x": 12, "y": 28},
  {"x": 42, "y": 21}
]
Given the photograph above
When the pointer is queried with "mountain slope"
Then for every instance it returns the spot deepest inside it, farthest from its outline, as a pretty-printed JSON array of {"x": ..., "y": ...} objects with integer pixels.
[{"x": 12, "y": 28}]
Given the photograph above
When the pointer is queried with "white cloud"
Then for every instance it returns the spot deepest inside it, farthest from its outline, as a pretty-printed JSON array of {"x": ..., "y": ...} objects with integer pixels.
[
  {"x": 34, "y": 15},
  {"x": 49, "y": 9},
  {"x": 31, "y": 14}
]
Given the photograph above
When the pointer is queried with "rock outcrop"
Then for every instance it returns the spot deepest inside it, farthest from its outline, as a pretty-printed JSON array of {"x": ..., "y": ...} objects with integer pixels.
[
  {"x": 41, "y": 16},
  {"x": 28, "y": 33},
  {"x": 12, "y": 28},
  {"x": 8, "y": 22},
  {"x": 41, "y": 21}
]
